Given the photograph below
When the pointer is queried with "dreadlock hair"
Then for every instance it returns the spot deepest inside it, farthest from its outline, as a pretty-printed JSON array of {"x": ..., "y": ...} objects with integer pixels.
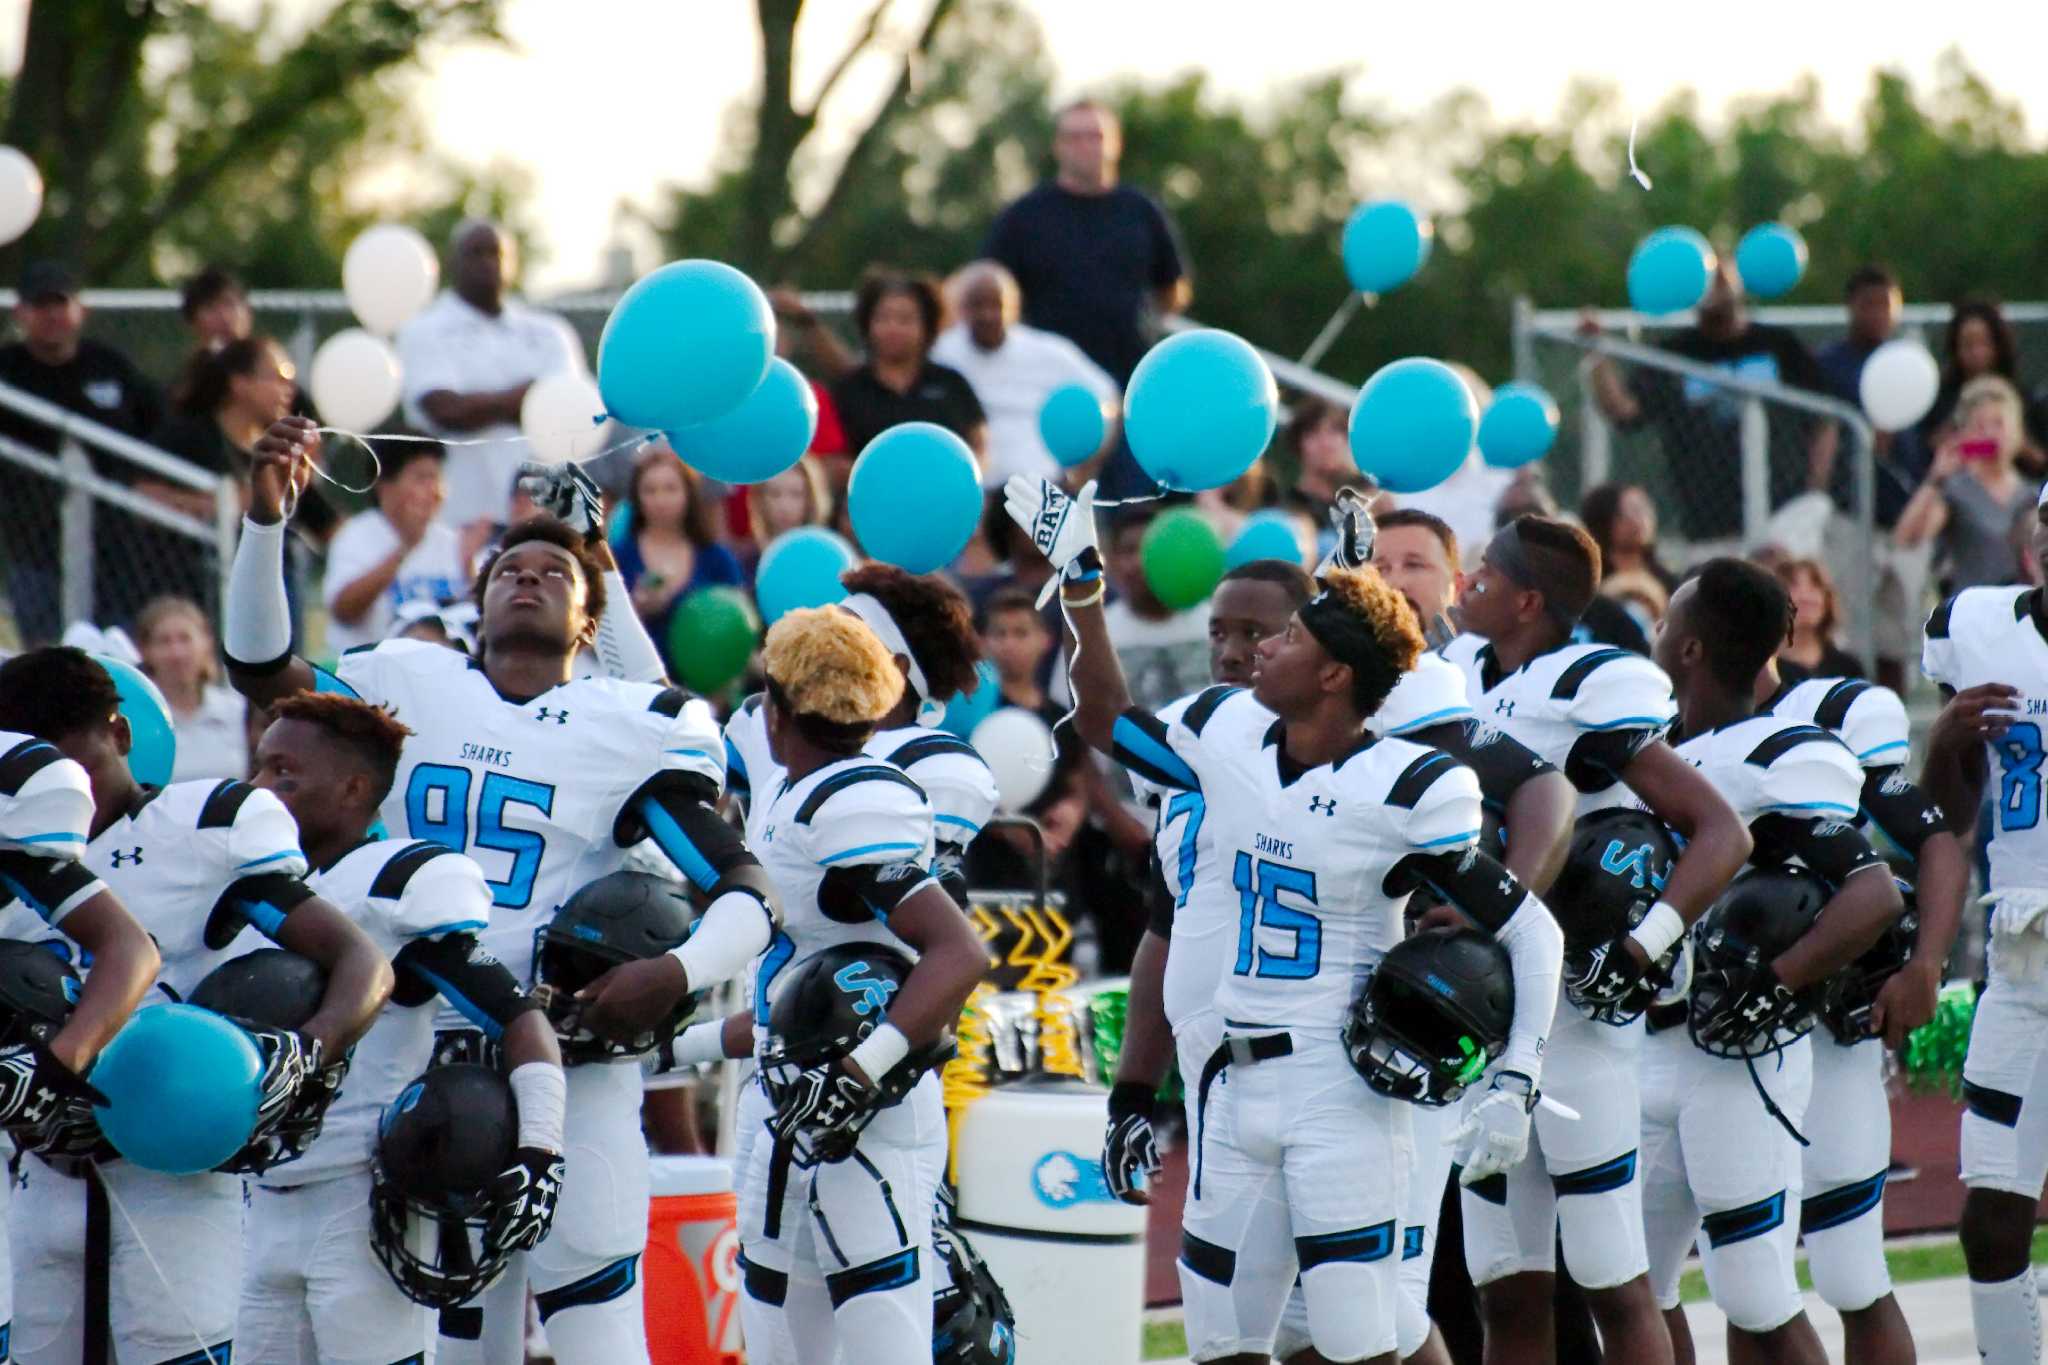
[
  {"x": 554, "y": 532},
  {"x": 936, "y": 621},
  {"x": 1741, "y": 616},
  {"x": 54, "y": 692},
  {"x": 370, "y": 733}
]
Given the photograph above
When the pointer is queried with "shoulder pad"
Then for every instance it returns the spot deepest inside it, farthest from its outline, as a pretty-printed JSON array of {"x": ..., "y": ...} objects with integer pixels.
[
  {"x": 398, "y": 869},
  {"x": 24, "y": 761},
  {"x": 669, "y": 702},
  {"x": 1937, "y": 622},
  {"x": 1834, "y": 706},
  {"x": 852, "y": 777},
  {"x": 1575, "y": 674},
  {"x": 1204, "y": 706},
  {"x": 1418, "y": 777},
  {"x": 223, "y": 804},
  {"x": 1784, "y": 741},
  {"x": 928, "y": 746}
]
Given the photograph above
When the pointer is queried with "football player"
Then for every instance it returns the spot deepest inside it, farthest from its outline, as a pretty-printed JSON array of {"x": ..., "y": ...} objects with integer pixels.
[
  {"x": 1598, "y": 714},
  {"x": 311, "y": 1290},
  {"x": 1327, "y": 830},
  {"x": 196, "y": 862},
  {"x": 1985, "y": 648},
  {"x": 1849, "y": 1119},
  {"x": 546, "y": 780},
  {"x": 1720, "y": 1151},
  {"x": 836, "y": 1202}
]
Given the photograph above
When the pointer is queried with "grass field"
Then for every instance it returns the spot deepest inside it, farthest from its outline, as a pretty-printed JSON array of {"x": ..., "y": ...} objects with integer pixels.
[{"x": 1936, "y": 1259}]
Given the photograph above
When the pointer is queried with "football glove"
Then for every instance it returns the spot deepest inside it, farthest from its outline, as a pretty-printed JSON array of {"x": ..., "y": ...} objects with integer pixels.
[
  {"x": 1606, "y": 975},
  {"x": 565, "y": 493},
  {"x": 1129, "y": 1151},
  {"x": 1062, "y": 527},
  {"x": 1494, "y": 1137},
  {"x": 290, "y": 1059},
  {"x": 1756, "y": 1007},
  {"x": 828, "y": 1105},
  {"x": 1356, "y": 531},
  {"x": 522, "y": 1200},
  {"x": 35, "y": 1088}
]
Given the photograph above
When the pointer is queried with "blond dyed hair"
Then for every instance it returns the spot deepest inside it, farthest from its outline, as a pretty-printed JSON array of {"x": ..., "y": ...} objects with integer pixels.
[{"x": 830, "y": 665}]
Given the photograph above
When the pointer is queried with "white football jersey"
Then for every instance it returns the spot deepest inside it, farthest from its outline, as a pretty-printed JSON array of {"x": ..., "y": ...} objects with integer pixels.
[
  {"x": 1870, "y": 719},
  {"x": 533, "y": 791},
  {"x": 1987, "y": 635},
  {"x": 1431, "y": 693},
  {"x": 1309, "y": 857},
  {"x": 1767, "y": 765},
  {"x": 175, "y": 850},
  {"x": 1555, "y": 700},
  {"x": 850, "y": 813},
  {"x": 45, "y": 799},
  {"x": 398, "y": 891},
  {"x": 955, "y": 778}
]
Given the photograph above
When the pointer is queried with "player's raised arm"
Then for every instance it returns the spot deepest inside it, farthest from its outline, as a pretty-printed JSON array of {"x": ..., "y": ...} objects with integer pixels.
[
  {"x": 256, "y": 629},
  {"x": 623, "y": 646},
  {"x": 1063, "y": 529}
]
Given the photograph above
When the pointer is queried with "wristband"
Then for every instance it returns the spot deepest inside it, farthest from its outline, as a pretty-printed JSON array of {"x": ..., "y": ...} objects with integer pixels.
[
  {"x": 540, "y": 1092},
  {"x": 880, "y": 1051},
  {"x": 1131, "y": 1097},
  {"x": 701, "y": 1043},
  {"x": 1661, "y": 928}
]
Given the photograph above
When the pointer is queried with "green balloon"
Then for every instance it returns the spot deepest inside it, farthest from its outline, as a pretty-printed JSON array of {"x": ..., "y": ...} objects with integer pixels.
[
  {"x": 1182, "y": 557},
  {"x": 711, "y": 636}
]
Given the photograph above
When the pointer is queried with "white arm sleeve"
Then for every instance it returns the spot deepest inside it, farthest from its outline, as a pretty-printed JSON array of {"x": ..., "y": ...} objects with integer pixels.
[
  {"x": 258, "y": 624},
  {"x": 1536, "y": 949},
  {"x": 733, "y": 932},
  {"x": 624, "y": 648}
]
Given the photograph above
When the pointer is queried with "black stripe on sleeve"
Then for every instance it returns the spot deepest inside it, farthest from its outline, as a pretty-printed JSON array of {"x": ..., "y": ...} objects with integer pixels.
[
  {"x": 669, "y": 702},
  {"x": 839, "y": 782},
  {"x": 24, "y": 761},
  {"x": 1573, "y": 678},
  {"x": 1834, "y": 707},
  {"x": 1785, "y": 741},
  {"x": 223, "y": 804},
  {"x": 924, "y": 746},
  {"x": 1204, "y": 706},
  {"x": 391, "y": 879},
  {"x": 1418, "y": 778},
  {"x": 1937, "y": 624}
]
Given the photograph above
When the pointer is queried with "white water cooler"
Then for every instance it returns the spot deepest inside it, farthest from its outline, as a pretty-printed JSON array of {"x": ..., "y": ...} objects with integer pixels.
[{"x": 1068, "y": 1253}]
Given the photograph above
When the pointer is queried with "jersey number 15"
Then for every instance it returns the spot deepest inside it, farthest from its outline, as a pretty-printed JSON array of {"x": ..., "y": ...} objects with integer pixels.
[{"x": 1260, "y": 885}]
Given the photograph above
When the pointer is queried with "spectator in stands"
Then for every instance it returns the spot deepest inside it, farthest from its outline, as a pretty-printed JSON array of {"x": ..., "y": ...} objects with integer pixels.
[
  {"x": 898, "y": 317},
  {"x": 1974, "y": 491},
  {"x": 216, "y": 308},
  {"x": 469, "y": 359},
  {"x": 1099, "y": 262},
  {"x": 1700, "y": 423},
  {"x": 56, "y": 362},
  {"x": 799, "y": 496},
  {"x": 1013, "y": 368},
  {"x": 1641, "y": 595},
  {"x": 671, "y": 544},
  {"x": 1318, "y": 436},
  {"x": 1814, "y": 649},
  {"x": 394, "y": 553},
  {"x": 1417, "y": 553},
  {"x": 208, "y": 716},
  {"x": 1979, "y": 341},
  {"x": 1873, "y": 301},
  {"x": 1623, "y": 523}
]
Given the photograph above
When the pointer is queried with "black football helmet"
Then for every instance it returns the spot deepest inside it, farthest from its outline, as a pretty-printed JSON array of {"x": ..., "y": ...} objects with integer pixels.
[
  {"x": 440, "y": 1144},
  {"x": 37, "y": 992},
  {"x": 1763, "y": 912},
  {"x": 1617, "y": 867},
  {"x": 621, "y": 917},
  {"x": 1433, "y": 1015},
  {"x": 971, "y": 1319},
  {"x": 1847, "y": 996},
  {"x": 829, "y": 1003},
  {"x": 270, "y": 988}
]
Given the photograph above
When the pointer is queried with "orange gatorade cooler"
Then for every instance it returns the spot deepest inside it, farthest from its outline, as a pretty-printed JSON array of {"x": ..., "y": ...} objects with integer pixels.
[{"x": 692, "y": 1263}]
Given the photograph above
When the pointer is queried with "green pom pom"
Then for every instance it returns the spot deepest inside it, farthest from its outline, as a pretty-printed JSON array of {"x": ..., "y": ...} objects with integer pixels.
[{"x": 1934, "y": 1052}]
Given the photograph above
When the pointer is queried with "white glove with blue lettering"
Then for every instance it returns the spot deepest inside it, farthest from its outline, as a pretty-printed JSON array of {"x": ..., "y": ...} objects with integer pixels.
[
  {"x": 1351, "y": 519},
  {"x": 1495, "y": 1134},
  {"x": 1061, "y": 526}
]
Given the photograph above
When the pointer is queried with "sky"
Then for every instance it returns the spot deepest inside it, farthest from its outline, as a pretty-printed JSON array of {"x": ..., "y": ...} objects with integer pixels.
[{"x": 612, "y": 99}]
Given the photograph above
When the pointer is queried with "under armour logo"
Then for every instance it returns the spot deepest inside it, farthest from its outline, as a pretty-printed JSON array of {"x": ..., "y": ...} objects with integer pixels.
[
  {"x": 558, "y": 717},
  {"x": 132, "y": 855},
  {"x": 1504, "y": 706},
  {"x": 1327, "y": 805}
]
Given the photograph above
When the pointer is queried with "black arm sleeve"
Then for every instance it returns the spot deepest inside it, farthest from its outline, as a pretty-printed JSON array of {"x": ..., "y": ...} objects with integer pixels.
[
  {"x": 869, "y": 891},
  {"x": 1599, "y": 757},
  {"x": 677, "y": 811},
  {"x": 1898, "y": 806},
  {"x": 1501, "y": 763},
  {"x": 949, "y": 865},
  {"x": 474, "y": 982},
  {"x": 1158, "y": 901},
  {"x": 1485, "y": 891},
  {"x": 262, "y": 900},
  {"x": 1830, "y": 847},
  {"x": 51, "y": 887}
]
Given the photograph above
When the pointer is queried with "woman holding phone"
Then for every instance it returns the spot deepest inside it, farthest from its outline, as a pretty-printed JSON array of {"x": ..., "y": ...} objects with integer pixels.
[{"x": 1973, "y": 492}]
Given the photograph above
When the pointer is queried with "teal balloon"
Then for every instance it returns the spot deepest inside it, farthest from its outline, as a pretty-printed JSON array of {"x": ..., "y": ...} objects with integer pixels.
[
  {"x": 970, "y": 708},
  {"x": 1200, "y": 408},
  {"x": 620, "y": 524},
  {"x": 1771, "y": 258},
  {"x": 1264, "y": 535},
  {"x": 915, "y": 497},
  {"x": 153, "y": 742},
  {"x": 182, "y": 1088},
  {"x": 1413, "y": 425},
  {"x": 1519, "y": 427},
  {"x": 687, "y": 343},
  {"x": 767, "y": 433},
  {"x": 1669, "y": 271},
  {"x": 801, "y": 568},
  {"x": 1072, "y": 425},
  {"x": 1385, "y": 243}
]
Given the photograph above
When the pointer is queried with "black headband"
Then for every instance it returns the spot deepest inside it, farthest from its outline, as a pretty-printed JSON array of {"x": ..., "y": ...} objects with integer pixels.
[
  {"x": 1508, "y": 555},
  {"x": 1345, "y": 635}
]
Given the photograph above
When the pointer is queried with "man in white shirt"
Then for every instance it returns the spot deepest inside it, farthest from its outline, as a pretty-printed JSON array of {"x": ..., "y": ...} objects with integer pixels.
[
  {"x": 1013, "y": 369},
  {"x": 469, "y": 359},
  {"x": 394, "y": 553}
]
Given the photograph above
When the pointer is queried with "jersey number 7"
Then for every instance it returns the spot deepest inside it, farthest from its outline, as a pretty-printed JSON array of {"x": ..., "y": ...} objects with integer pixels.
[
  {"x": 1260, "y": 885},
  {"x": 437, "y": 808}
]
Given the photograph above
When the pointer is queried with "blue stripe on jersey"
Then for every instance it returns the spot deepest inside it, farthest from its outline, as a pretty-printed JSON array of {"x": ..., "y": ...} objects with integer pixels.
[
  {"x": 1151, "y": 755},
  {"x": 671, "y": 839},
  {"x": 21, "y": 893},
  {"x": 271, "y": 858},
  {"x": 1629, "y": 723},
  {"x": 60, "y": 838},
  {"x": 781, "y": 948},
  {"x": 461, "y": 926},
  {"x": 733, "y": 762},
  {"x": 1889, "y": 744},
  {"x": 1836, "y": 806},
  {"x": 323, "y": 681},
  {"x": 464, "y": 1006},
  {"x": 960, "y": 820},
  {"x": 1432, "y": 718},
  {"x": 263, "y": 915},
  {"x": 1466, "y": 837},
  {"x": 868, "y": 848}
]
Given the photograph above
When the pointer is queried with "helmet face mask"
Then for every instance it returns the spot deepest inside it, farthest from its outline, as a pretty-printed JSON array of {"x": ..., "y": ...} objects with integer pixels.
[
  {"x": 1763, "y": 912},
  {"x": 619, "y": 918},
  {"x": 1432, "y": 1017},
  {"x": 1616, "y": 869},
  {"x": 439, "y": 1145},
  {"x": 972, "y": 1322}
]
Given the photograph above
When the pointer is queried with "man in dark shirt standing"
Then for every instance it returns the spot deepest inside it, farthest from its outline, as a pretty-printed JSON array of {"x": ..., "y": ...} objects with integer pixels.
[
  {"x": 54, "y": 361},
  {"x": 1701, "y": 423},
  {"x": 1098, "y": 261}
]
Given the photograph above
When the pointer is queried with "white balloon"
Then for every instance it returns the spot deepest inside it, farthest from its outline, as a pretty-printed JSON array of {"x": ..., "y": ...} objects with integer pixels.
[
  {"x": 21, "y": 193},
  {"x": 355, "y": 380},
  {"x": 1019, "y": 751},
  {"x": 1900, "y": 381},
  {"x": 389, "y": 274},
  {"x": 557, "y": 417}
]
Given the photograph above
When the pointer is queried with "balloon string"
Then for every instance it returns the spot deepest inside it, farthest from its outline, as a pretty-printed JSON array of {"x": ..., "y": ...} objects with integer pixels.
[
  {"x": 1635, "y": 171},
  {"x": 363, "y": 439}
]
